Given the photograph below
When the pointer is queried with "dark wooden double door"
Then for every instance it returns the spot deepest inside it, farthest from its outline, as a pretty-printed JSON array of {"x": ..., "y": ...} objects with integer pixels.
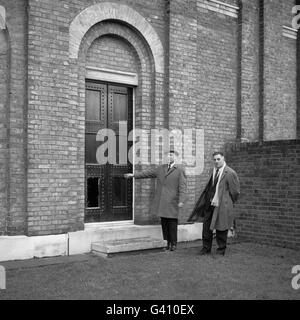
[{"x": 108, "y": 196}]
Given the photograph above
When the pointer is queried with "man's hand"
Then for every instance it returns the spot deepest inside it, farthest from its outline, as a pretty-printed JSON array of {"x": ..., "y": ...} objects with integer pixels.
[
  {"x": 180, "y": 204},
  {"x": 128, "y": 175}
]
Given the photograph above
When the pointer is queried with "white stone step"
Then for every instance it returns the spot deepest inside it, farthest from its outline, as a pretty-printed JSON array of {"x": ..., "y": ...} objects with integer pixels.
[
  {"x": 81, "y": 241},
  {"x": 111, "y": 247}
]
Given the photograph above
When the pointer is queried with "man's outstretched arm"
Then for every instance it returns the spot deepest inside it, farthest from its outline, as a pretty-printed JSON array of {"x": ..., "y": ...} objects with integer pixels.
[{"x": 150, "y": 173}]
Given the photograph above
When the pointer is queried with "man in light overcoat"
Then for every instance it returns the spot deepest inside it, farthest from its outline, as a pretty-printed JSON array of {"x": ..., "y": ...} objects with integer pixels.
[
  {"x": 170, "y": 195},
  {"x": 215, "y": 205}
]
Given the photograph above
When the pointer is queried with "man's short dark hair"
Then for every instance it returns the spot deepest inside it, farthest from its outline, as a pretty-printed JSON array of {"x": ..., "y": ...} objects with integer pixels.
[
  {"x": 218, "y": 152},
  {"x": 172, "y": 151}
]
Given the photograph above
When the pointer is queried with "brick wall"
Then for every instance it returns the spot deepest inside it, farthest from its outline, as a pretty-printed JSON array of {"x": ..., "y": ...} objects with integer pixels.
[
  {"x": 52, "y": 145},
  {"x": 112, "y": 53},
  {"x": 16, "y": 118},
  {"x": 216, "y": 84},
  {"x": 268, "y": 208},
  {"x": 250, "y": 71},
  {"x": 183, "y": 71},
  {"x": 4, "y": 89},
  {"x": 279, "y": 73},
  {"x": 199, "y": 90},
  {"x": 56, "y": 112}
]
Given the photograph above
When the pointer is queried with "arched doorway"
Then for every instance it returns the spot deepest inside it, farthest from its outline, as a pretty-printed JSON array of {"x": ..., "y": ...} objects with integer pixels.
[
  {"x": 144, "y": 78},
  {"x": 109, "y": 91}
]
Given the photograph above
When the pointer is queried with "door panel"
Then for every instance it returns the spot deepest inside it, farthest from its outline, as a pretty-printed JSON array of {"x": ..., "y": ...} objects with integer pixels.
[
  {"x": 119, "y": 107},
  {"x": 108, "y": 194},
  {"x": 92, "y": 193},
  {"x": 93, "y": 102},
  {"x": 119, "y": 189}
]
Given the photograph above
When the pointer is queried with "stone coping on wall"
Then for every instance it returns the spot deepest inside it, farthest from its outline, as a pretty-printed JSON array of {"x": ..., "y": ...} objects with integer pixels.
[{"x": 255, "y": 144}]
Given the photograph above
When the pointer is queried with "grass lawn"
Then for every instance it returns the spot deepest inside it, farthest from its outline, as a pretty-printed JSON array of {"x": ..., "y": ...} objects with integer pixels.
[{"x": 247, "y": 271}]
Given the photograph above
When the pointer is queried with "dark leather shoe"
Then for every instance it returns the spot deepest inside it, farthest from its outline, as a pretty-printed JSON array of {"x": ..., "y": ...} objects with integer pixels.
[
  {"x": 173, "y": 247},
  {"x": 221, "y": 252},
  {"x": 204, "y": 252},
  {"x": 168, "y": 246}
]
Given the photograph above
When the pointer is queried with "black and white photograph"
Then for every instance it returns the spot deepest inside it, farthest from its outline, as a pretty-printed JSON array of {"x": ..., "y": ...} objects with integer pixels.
[{"x": 150, "y": 153}]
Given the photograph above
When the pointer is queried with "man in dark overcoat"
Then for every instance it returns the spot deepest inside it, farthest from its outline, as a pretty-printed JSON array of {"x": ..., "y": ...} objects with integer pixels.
[
  {"x": 215, "y": 205},
  {"x": 170, "y": 195}
]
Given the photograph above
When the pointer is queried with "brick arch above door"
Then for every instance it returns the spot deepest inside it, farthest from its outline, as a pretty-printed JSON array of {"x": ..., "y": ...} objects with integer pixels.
[
  {"x": 141, "y": 55},
  {"x": 105, "y": 11}
]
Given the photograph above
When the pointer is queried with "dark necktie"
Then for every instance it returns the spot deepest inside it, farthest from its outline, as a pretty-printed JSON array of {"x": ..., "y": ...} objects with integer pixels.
[
  {"x": 169, "y": 167},
  {"x": 216, "y": 177}
]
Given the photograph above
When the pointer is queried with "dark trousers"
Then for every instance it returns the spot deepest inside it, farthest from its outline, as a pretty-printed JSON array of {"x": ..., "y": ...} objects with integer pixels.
[
  {"x": 169, "y": 229},
  {"x": 207, "y": 234}
]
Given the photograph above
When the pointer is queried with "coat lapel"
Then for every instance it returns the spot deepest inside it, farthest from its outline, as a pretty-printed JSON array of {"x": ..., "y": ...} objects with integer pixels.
[
  {"x": 165, "y": 169},
  {"x": 199, "y": 209},
  {"x": 223, "y": 174},
  {"x": 171, "y": 170}
]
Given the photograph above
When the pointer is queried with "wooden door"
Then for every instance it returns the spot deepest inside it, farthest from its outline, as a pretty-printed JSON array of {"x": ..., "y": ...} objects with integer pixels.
[{"x": 108, "y": 196}]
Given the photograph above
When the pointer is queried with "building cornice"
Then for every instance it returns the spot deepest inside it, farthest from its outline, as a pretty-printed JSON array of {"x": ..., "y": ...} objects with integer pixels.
[
  {"x": 219, "y": 7},
  {"x": 289, "y": 32}
]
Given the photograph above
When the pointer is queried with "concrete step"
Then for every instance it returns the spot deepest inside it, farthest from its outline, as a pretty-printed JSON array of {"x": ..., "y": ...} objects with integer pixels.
[
  {"x": 112, "y": 247},
  {"x": 81, "y": 241}
]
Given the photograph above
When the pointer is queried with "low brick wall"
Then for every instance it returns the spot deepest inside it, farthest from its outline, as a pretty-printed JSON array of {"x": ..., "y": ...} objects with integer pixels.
[{"x": 268, "y": 210}]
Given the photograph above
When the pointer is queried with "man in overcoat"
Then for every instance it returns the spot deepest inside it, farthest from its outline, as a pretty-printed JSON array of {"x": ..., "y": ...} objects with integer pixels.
[
  {"x": 215, "y": 205},
  {"x": 170, "y": 195}
]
